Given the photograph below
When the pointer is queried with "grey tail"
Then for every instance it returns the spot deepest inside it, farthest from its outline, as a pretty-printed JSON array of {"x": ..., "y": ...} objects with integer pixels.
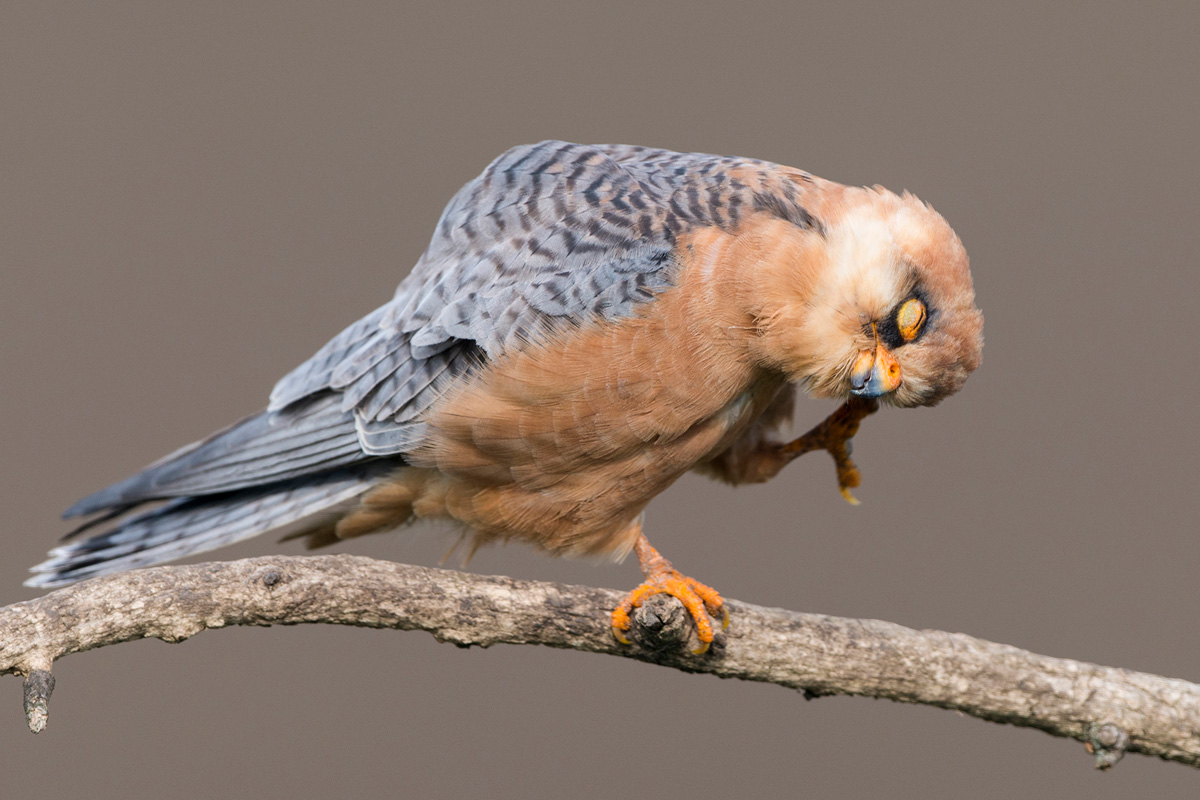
[
  {"x": 187, "y": 525},
  {"x": 310, "y": 437}
]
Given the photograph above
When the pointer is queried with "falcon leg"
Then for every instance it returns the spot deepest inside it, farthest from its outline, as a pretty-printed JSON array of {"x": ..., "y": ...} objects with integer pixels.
[
  {"x": 834, "y": 434},
  {"x": 756, "y": 459},
  {"x": 759, "y": 460},
  {"x": 662, "y": 578}
]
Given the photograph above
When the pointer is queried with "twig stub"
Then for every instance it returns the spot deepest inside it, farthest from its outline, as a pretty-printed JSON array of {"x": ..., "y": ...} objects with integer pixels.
[{"x": 39, "y": 685}]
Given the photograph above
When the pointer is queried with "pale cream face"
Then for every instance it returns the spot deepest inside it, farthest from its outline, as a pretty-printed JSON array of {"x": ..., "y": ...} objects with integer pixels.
[
  {"x": 861, "y": 283},
  {"x": 887, "y": 306},
  {"x": 865, "y": 264}
]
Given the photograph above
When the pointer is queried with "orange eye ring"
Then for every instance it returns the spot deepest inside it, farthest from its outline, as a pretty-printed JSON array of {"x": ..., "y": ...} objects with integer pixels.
[{"x": 910, "y": 318}]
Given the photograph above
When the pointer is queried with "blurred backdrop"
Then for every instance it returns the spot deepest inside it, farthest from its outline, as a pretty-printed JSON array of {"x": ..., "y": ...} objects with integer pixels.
[{"x": 195, "y": 197}]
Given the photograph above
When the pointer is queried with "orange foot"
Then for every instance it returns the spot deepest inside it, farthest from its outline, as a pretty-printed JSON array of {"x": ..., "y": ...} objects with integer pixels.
[
  {"x": 834, "y": 434},
  {"x": 661, "y": 578}
]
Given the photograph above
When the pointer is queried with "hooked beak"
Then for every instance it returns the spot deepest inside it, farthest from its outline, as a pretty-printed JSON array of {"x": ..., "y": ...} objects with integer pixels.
[{"x": 875, "y": 374}]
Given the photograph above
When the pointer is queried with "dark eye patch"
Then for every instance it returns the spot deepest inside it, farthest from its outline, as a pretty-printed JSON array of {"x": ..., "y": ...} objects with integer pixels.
[
  {"x": 889, "y": 332},
  {"x": 889, "y": 329}
]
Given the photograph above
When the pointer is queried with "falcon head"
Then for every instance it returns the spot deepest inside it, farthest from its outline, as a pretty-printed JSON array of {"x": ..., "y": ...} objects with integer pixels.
[{"x": 877, "y": 301}]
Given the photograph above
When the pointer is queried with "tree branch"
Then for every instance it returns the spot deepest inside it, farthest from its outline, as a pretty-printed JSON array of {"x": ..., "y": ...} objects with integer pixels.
[{"x": 1110, "y": 710}]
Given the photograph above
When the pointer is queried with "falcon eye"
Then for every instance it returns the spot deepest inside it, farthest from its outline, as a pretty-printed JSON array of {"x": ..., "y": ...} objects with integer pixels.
[{"x": 910, "y": 318}]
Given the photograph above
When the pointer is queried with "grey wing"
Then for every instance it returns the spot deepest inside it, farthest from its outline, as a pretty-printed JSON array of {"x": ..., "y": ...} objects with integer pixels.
[
  {"x": 189, "y": 525},
  {"x": 548, "y": 235}
]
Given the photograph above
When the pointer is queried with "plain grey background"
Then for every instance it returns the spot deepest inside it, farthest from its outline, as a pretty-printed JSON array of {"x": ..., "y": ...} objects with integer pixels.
[{"x": 194, "y": 197}]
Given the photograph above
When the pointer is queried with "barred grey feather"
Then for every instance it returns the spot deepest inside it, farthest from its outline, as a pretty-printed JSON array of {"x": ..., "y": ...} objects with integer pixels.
[
  {"x": 308, "y": 437},
  {"x": 548, "y": 235},
  {"x": 196, "y": 524},
  {"x": 318, "y": 370}
]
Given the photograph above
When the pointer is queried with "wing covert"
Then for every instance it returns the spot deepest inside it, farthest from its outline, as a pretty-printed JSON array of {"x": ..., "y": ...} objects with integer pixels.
[{"x": 547, "y": 235}]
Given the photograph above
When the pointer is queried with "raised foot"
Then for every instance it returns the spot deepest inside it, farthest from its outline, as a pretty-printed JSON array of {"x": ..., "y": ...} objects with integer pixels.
[
  {"x": 833, "y": 434},
  {"x": 702, "y": 603}
]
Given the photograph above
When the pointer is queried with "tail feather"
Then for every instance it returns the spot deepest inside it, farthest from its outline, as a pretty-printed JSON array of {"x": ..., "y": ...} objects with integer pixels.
[
  {"x": 313, "y": 436},
  {"x": 189, "y": 525}
]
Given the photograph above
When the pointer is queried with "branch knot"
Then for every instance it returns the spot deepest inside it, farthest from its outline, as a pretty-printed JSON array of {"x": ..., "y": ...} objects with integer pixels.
[
  {"x": 660, "y": 623},
  {"x": 1107, "y": 743},
  {"x": 270, "y": 577}
]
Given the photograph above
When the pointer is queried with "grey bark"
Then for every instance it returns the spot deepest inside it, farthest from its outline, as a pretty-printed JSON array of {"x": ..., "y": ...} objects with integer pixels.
[{"x": 1111, "y": 710}]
